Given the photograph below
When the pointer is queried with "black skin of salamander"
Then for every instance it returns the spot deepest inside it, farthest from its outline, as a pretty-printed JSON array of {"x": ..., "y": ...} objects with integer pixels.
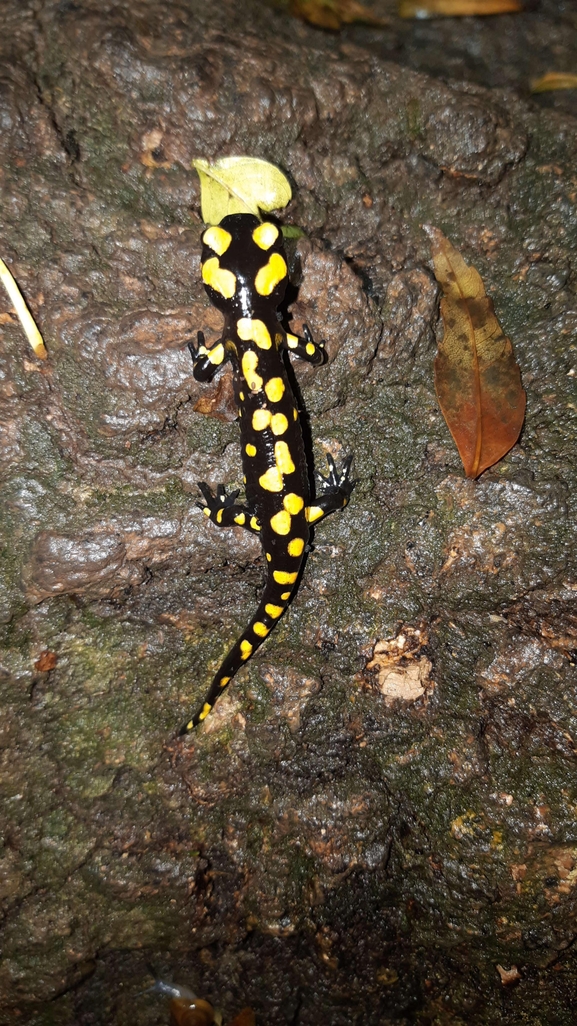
[{"x": 276, "y": 478}]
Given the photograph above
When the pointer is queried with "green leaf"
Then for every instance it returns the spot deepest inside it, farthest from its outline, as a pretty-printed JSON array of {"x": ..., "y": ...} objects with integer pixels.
[
  {"x": 240, "y": 185},
  {"x": 292, "y": 231}
]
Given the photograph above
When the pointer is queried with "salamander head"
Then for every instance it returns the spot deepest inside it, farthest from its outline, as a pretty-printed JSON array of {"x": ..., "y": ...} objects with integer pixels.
[{"x": 244, "y": 265}]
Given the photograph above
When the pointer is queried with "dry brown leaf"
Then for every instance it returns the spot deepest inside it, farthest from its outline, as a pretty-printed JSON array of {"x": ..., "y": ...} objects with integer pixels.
[
  {"x": 187, "y": 1012},
  {"x": 508, "y": 976},
  {"x": 456, "y": 8},
  {"x": 244, "y": 1018},
  {"x": 219, "y": 401},
  {"x": 554, "y": 80},
  {"x": 477, "y": 380},
  {"x": 46, "y": 661},
  {"x": 333, "y": 14}
]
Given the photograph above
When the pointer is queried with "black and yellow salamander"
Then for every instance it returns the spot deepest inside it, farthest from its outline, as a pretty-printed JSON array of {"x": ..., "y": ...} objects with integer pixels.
[{"x": 244, "y": 270}]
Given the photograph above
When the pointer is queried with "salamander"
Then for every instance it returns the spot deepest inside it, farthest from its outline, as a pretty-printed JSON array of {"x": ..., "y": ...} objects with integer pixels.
[{"x": 244, "y": 270}]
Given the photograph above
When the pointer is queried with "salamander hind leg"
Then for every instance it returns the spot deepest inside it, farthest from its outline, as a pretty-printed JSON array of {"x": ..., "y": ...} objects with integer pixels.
[
  {"x": 306, "y": 348},
  {"x": 223, "y": 509},
  {"x": 336, "y": 490}
]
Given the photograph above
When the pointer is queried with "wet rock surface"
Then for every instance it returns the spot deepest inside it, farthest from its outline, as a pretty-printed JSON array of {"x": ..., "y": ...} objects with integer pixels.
[
  {"x": 504, "y": 52},
  {"x": 378, "y": 822}
]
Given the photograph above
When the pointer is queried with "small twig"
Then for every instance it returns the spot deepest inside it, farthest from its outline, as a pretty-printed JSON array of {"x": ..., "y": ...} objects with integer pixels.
[{"x": 25, "y": 317}]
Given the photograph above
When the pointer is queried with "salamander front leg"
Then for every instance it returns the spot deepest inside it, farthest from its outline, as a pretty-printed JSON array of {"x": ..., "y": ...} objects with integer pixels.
[
  {"x": 335, "y": 493},
  {"x": 309, "y": 350},
  {"x": 224, "y": 511},
  {"x": 206, "y": 361}
]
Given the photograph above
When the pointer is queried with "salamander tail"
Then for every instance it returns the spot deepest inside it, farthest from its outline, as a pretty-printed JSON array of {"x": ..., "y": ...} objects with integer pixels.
[{"x": 277, "y": 594}]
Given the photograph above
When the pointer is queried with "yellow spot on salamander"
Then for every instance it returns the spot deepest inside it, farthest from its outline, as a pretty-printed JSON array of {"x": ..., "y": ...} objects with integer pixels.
[
  {"x": 274, "y": 611},
  {"x": 245, "y": 649},
  {"x": 274, "y": 389},
  {"x": 268, "y": 556},
  {"x": 270, "y": 275},
  {"x": 279, "y": 424},
  {"x": 254, "y": 524},
  {"x": 295, "y": 414},
  {"x": 249, "y": 364},
  {"x": 313, "y": 513},
  {"x": 250, "y": 330},
  {"x": 218, "y": 239},
  {"x": 281, "y": 522},
  {"x": 206, "y": 511},
  {"x": 241, "y": 396},
  {"x": 295, "y": 547},
  {"x": 261, "y": 629},
  {"x": 293, "y": 503},
  {"x": 219, "y": 516},
  {"x": 310, "y": 348},
  {"x": 284, "y": 577},
  {"x": 265, "y": 235},
  {"x": 205, "y": 711},
  {"x": 261, "y": 419},
  {"x": 224, "y": 681},
  {"x": 292, "y": 340},
  {"x": 250, "y": 449},
  {"x": 262, "y": 335},
  {"x": 240, "y": 519},
  {"x": 272, "y": 480},
  {"x": 286, "y": 595},
  {"x": 218, "y": 279},
  {"x": 216, "y": 354},
  {"x": 283, "y": 458}
]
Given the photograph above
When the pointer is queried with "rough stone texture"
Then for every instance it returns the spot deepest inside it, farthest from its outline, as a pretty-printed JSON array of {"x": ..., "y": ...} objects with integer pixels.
[
  {"x": 503, "y": 52},
  {"x": 319, "y": 851}
]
